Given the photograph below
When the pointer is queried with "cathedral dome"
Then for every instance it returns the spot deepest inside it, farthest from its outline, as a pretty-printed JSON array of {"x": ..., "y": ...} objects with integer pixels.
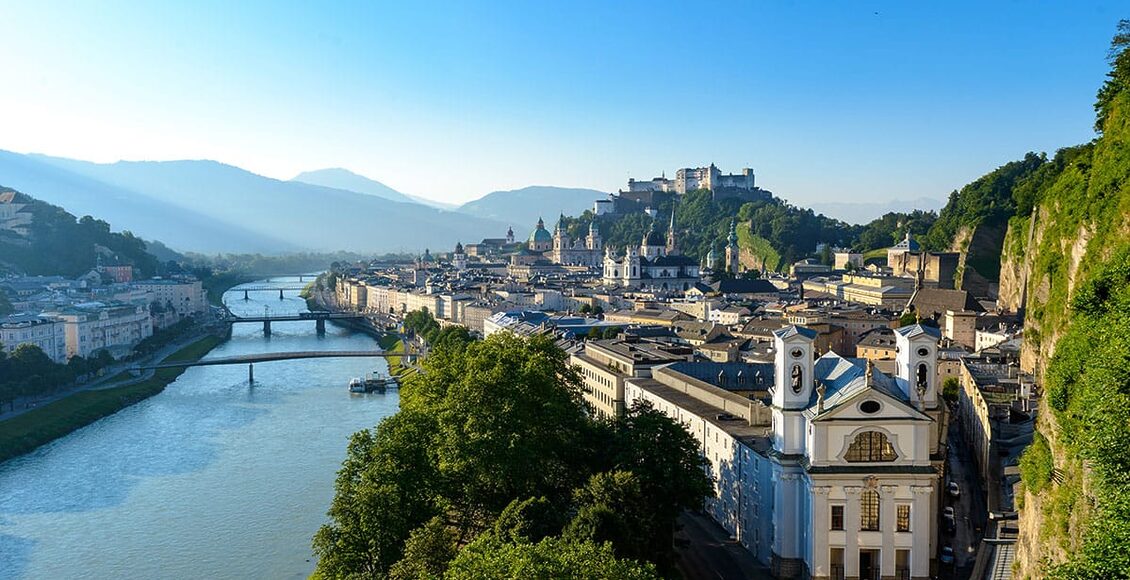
[
  {"x": 540, "y": 234},
  {"x": 653, "y": 238}
]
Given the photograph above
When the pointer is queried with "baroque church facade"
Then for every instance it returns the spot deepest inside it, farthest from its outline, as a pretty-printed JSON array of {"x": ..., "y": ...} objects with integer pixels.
[
  {"x": 856, "y": 456},
  {"x": 587, "y": 251},
  {"x": 655, "y": 264}
]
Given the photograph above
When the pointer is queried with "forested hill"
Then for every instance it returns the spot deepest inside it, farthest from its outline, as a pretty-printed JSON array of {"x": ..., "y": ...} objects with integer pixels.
[
  {"x": 1066, "y": 264},
  {"x": 59, "y": 243},
  {"x": 771, "y": 231}
]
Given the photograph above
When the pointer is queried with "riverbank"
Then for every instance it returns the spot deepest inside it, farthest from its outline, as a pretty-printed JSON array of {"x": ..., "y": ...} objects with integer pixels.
[{"x": 26, "y": 432}]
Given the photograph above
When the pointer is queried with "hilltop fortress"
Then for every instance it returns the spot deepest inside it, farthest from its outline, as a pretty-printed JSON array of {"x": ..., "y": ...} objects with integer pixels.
[{"x": 647, "y": 195}]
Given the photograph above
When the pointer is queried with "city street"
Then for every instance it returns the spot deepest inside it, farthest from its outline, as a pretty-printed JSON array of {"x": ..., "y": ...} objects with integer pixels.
[
  {"x": 969, "y": 508},
  {"x": 704, "y": 551}
]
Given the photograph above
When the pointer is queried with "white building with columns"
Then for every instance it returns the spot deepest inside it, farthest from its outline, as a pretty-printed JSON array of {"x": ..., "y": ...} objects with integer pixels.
[{"x": 836, "y": 473}]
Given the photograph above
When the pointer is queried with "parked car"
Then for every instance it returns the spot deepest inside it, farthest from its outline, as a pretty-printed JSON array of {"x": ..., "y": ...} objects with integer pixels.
[
  {"x": 947, "y": 555},
  {"x": 949, "y": 522},
  {"x": 953, "y": 489}
]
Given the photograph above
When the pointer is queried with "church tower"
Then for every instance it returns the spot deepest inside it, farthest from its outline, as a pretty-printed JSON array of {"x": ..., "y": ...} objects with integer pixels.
[
  {"x": 732, "y": 249},
  {"x": 916, "y": 364},
  {"x": 672, "y": 246},
  {"x": 593, "y": 242},
  {"x": 794, "y": 365},
  {"x": 509, "y": 235},
  {"x": 560, "y": 237},
  {"x": 459, "y": 259}
]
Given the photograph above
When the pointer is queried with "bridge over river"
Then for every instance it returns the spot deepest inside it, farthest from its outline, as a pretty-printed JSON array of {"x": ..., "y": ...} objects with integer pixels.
[
  {"x": 319, "y": 319},
  {"x": 251, "y": 359}
]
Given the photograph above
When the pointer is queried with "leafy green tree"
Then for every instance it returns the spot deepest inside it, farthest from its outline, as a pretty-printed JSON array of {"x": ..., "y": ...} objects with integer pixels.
[
  {"x": 427, "y": 553},
  {"x": 612, "y": 507},
  {"x": 665, "y": 458},
  {"x": 5, "y": 305},
  {"x": 509, "y": 426},
  {"x": 529, "y": 520},
  {"x": 1118, "y": 78},
  {"x": 488, "y": 557},
  {"x": 950, "y": 389},
  {"x": 386, "y": 489}
]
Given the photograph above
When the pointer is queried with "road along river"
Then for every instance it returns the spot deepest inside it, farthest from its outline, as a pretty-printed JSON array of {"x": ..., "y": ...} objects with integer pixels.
[{"x": 212, "y": 478}]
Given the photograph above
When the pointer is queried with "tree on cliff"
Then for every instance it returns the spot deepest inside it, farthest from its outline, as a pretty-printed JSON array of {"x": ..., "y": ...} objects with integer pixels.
[
  {"x": 493, "y": 441},
  {"x": 1118, "y": 78}
]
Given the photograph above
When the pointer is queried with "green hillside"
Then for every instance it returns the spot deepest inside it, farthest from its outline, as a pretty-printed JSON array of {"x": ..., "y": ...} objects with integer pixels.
[
  {"x": 760, "y": 248},
  {"x": 59, "y": 243},
  {"x": 1066, "y": 262}
]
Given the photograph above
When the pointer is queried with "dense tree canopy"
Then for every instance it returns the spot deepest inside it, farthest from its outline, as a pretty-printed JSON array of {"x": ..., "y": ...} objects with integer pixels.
[
  {"x": 494, "y": 446},
  {"x": 29, "y": 372},
  {"x": 60, "y": 244}
]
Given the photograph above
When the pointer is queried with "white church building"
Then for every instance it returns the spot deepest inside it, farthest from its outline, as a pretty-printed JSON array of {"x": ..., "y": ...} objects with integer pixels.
[{"x": 823, "y": 467}]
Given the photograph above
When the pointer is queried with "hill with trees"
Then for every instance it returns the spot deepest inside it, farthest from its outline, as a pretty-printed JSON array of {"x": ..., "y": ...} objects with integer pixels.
[
  {"x": 58, "y": 243},
  {"x": 770, "y": 230},
  {"x": 1066, "y": 265}
]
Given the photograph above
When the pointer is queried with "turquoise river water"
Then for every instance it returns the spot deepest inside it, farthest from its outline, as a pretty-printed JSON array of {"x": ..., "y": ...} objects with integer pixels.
[{"x": 212, "y": 478}]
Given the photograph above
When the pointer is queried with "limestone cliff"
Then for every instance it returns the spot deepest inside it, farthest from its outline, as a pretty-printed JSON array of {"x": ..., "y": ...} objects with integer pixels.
[{"x": 1074, "y": 239}]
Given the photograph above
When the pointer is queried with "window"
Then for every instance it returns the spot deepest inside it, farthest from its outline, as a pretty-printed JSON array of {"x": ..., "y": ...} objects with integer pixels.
[
  {"x": 870, "y": 446},
  {"x": 869, "y": 510},
  {"x": 837, "y": 517},
  {"x": 903, "y": 520}
]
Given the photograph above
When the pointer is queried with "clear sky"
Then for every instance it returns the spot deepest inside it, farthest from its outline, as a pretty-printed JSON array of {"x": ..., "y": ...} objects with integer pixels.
[{"x": 827, "y": 101}]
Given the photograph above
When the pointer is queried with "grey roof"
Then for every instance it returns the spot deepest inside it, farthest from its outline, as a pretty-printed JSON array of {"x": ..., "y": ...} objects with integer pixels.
[
  {"x": 844, "y": 377},
  {"x": 918, "y": 330},
  {"x": 793, "y": 330},
  {"x": 743, "y": 286}
]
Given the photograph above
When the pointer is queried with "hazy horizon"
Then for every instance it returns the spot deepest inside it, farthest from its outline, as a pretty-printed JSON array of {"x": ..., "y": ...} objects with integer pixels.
[{"x": 879, "y": 103}]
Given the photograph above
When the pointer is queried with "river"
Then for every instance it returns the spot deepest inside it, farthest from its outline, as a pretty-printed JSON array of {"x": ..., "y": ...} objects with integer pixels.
[{"x": 212, "y": 478}]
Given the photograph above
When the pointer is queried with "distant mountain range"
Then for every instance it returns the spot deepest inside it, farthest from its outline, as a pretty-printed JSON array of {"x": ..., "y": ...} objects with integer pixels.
[
  {"x": 209, "y": 207},
  {"x": 339, "y": 178},
  {"x": 521, "y": 208},
  {"x": 864, "y": 212}
]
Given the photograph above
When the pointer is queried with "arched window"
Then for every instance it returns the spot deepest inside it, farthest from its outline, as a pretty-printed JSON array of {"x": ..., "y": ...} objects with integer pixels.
[
  {"x": 870, "y": 446},
  {"x": 923, "y": 375},
  {"x": 869, "y": 510}
]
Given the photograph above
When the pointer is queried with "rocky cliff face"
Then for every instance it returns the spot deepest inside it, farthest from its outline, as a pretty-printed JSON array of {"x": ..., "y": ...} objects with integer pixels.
[{"x": 1080, "y": 218}]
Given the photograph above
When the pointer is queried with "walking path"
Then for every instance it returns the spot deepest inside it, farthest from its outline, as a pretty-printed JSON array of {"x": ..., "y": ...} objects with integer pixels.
[{"x": 24, "y": 404}]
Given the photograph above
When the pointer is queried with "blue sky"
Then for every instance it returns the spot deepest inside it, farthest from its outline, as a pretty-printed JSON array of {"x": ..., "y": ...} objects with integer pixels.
[{"x": 827, "y": 101}]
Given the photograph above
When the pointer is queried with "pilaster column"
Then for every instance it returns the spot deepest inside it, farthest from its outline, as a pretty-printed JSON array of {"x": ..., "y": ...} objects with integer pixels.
[
  {"x": 851, "y": 531},
  {"x": 922, "y": 529}
]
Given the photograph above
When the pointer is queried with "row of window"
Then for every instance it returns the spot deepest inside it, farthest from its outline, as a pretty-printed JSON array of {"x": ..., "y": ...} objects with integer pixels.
[{"x": 869, "y": 514}]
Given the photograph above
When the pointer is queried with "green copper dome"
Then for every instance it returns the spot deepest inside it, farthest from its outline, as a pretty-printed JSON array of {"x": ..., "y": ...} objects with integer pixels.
[{"x": 540, "y": 234}]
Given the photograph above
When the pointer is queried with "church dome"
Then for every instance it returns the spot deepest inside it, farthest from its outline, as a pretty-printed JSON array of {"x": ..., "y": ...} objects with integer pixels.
[
  {"x": 653, "y": 238},
  {"x": 540, "y": 234}
]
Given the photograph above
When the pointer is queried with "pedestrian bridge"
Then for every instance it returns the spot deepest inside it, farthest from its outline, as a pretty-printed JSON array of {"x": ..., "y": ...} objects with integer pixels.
[{"x": 251, "y": 359}]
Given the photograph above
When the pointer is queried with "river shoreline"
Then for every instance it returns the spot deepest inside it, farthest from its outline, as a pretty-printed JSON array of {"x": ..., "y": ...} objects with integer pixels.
[{"x": 31, "y": 430}]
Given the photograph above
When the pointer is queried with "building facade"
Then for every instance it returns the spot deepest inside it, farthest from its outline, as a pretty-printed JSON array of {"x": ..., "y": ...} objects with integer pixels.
[
  {"x": 836, "y": 474},
  {"x": 652, "y": 265},
  {"x": 45, "y": 332}
]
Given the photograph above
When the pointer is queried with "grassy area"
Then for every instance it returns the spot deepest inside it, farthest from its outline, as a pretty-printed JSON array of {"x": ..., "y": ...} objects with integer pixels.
[
  {"x": 28, "y": 431},
  {"x": 760, "y": 248},
  {"x": 392, "y": 343}
]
